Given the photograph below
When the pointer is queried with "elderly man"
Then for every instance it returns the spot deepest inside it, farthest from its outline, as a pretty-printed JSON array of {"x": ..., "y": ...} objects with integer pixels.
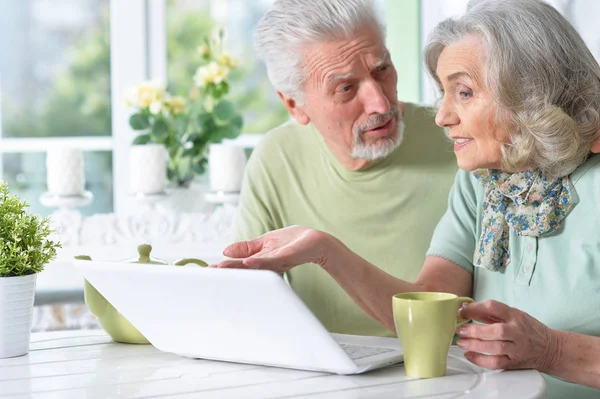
[{"x": 354, "y": 162}]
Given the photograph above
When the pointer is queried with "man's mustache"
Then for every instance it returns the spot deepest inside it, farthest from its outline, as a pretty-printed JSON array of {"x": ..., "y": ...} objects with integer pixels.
[{"x": 377, "y": 120}]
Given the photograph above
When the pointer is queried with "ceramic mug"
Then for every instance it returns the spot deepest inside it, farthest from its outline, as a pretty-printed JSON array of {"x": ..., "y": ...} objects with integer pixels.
[{"x": 426, "y": 323}]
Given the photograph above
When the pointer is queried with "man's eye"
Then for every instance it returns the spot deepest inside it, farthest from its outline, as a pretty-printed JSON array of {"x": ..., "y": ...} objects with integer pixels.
[
  {"x": 346, "y": 89},
  {"x": 383, "y": 68}
]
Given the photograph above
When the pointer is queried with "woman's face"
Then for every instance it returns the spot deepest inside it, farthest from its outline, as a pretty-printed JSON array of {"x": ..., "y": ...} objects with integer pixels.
[{"x": 468, "y": 110}]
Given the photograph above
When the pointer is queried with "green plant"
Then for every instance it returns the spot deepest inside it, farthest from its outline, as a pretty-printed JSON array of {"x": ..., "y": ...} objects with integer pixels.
[
  {"x": 24, "y": 244},
  {"x": 186, "y": 126}
]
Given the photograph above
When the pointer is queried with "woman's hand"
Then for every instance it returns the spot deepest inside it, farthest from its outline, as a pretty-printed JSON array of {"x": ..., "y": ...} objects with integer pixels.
[
  {"x": 278, "y": 250},
  {"x": 509, "y": 339}
]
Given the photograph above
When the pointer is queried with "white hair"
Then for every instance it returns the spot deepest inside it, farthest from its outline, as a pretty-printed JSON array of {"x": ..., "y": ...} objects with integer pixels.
[
  {"x": 289, "y": 25},
  {"x": 543, "y": 77}
]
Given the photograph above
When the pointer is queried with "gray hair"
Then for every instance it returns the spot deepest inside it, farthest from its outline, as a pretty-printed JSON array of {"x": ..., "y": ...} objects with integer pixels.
[
  {"x": 291, "y": 24},
  {"x": 543, "y": 77}
]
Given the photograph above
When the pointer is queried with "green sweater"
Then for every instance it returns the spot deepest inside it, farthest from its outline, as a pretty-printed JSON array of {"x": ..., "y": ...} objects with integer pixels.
[{"x": 386, "y": 212}]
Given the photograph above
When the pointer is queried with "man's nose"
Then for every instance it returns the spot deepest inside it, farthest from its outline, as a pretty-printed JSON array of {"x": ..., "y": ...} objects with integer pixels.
[{"x": 376, "y": 101}]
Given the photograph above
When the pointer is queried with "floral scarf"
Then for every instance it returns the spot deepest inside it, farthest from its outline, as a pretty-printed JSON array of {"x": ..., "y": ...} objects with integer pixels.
[{"x": 528, "y": 202}]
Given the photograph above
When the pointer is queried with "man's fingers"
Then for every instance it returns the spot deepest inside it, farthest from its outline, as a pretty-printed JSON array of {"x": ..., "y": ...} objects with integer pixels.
[
  {"x": 266, "y": 262},
  {"x": 230, "y": 264},
  {"x": 243, "y": 249}
]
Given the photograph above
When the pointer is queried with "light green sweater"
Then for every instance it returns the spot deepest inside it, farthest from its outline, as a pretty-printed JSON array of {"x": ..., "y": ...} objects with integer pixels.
[{"x": 386, "y": 212}]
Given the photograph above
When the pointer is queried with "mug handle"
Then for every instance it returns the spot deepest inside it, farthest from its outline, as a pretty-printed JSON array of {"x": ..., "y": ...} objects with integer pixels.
[{"x": 459, "y": 320}]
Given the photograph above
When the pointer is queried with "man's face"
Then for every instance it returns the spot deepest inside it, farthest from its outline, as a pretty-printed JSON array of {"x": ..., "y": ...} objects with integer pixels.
[{"x": 350, "y": 97}]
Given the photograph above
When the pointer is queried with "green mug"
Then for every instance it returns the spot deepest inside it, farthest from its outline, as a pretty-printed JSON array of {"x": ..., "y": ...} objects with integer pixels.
[{"x": 426, "y": 323}]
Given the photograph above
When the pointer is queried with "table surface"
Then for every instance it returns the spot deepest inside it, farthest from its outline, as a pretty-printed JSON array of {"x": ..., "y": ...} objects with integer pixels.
[{"x": 86, "y": 363}]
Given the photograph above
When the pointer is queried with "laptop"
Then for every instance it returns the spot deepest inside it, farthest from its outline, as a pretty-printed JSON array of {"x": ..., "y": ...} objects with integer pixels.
[{"x": 233, "y": 315}]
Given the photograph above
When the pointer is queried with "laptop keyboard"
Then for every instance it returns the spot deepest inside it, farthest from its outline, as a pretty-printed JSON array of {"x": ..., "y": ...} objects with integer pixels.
[{"x": 358, "y": 352}]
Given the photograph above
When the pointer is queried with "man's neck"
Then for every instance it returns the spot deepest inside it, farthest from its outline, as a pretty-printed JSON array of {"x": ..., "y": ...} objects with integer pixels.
[{"x": 349, "y": 162}]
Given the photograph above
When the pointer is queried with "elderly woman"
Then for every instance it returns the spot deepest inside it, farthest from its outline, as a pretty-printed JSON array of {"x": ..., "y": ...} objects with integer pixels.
[{"x": 521, "y": 100}]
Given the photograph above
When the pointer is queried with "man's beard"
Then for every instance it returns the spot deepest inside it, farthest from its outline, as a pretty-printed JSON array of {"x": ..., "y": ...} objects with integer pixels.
[{"x": 383, "y": 147}]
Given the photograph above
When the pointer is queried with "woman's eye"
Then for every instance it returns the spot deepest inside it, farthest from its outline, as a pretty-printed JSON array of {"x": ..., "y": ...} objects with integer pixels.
[{"x": 465, "y": 93}]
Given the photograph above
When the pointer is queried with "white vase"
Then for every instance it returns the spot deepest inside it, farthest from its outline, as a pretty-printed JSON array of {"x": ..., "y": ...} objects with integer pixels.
[
  {"x": 226, "y": 164},
  {"x": 16, "y": 308}
]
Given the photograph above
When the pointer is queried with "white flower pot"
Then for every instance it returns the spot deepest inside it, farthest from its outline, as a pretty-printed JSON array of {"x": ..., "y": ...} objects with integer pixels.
[{"x": 16, "y": 308}]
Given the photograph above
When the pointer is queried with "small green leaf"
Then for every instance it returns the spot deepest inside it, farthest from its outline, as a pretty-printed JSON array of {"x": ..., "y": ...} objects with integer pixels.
[
  {"x": 227, "y": 132},
  {"x": 199, "y": 166},
  {"x": 142, "y": 139},
  {"x": 205, "y": 120},
  {"x": 184, "y": 168},
  {"x": 238, "y": 122},
  {"x": 181, "y": 126},
  {"x": 225, "y": 111},
  {"x": 139, "y": 122},
  {"x": 221, "y": 90},
  {"x": 160, "y": 129}
]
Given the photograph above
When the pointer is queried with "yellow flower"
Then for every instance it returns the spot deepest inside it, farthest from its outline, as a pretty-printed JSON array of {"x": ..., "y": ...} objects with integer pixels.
[
  {"x": 211, "y": 73},
  {"x": 146, "y": 93},
  {"x": 176, "y": 105},
  {"x": 194, "y": 93},
  {"x": 228, "y": 61}
]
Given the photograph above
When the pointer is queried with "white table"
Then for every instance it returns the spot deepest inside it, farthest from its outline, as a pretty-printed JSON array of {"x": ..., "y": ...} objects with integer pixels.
[{"x": 87, "y": 364}]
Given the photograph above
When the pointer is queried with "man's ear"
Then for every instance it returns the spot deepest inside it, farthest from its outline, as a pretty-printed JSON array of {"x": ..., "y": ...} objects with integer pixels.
[
  {"x": 596, "y": 144},
  {"x": 295, "y": 110}
]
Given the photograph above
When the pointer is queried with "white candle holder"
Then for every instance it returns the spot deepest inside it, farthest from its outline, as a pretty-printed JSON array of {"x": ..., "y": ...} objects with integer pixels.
[
  {"x": 222, "y": 197},
  {"x": 66, "y": 202},
  {"x": 148, "y": 170},
  {"x": 226, "y": 163},
  {"x": 65, "y": 172}
]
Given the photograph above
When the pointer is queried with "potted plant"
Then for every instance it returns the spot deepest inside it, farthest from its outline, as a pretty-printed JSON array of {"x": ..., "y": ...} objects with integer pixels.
[
  {"x": 186, "y": 126},
  {"x": 24, "y": 251}
]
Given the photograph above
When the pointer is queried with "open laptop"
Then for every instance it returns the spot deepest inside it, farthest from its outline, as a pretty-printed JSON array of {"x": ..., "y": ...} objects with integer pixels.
[{"x": 234, "y": 315}]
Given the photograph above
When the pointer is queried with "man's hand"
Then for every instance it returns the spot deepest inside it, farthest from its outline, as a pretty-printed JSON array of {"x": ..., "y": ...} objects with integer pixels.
[
  {"x": 509, "y": 339},
  {"x": 278, "y": 250}
]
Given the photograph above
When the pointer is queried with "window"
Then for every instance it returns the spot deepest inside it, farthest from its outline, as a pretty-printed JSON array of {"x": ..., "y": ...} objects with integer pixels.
[{"x": 55, "y": 85}]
